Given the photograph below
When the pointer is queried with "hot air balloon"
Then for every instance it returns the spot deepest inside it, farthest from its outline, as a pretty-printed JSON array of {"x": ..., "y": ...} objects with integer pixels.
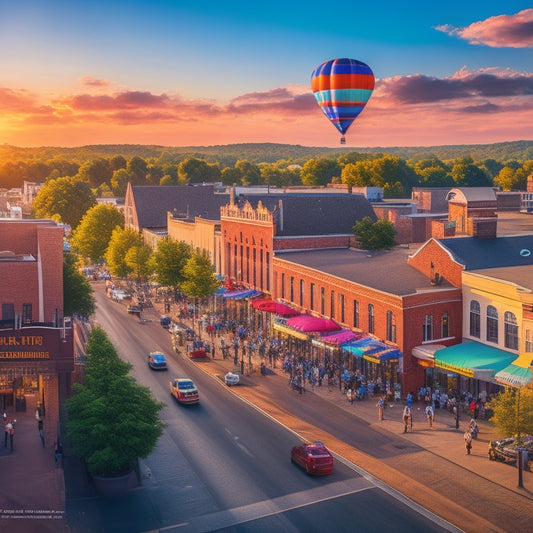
[{"x": 342, "y": 87}]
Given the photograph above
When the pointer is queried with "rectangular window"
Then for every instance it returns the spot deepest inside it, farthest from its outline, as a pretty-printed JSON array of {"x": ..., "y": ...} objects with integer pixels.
[
  {"x": 355, "y": 314},
  {"x": 332, "y": 304},
  {"x": 445, "y": 326},
  {"x": 341, "y": 305},
  {"x": 312, "y": 297},
  {"x": 391, "y": 327},
  {"x": 26, "y": 314},
  {"x": 529, "y": 340},
  {"x": 254, "y": 254},
  {"x": 268, "y": 271},
  {"x": 427, "y": 332},
  {"x": 292, "y": 288},
  {"x": 283, "y": 284},
  {"x": 370, "y": 318},
  {"x": 322, "y": 300},
  {"x": 301, "y": 293}
]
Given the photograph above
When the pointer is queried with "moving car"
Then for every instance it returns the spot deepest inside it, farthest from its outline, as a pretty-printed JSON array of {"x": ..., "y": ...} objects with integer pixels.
[
  {"x": 184, "y": 390},
  {"x": 157, "y": 361},
  {"x": 313, "y": 458},
  {"x": 506, "y": 450},
  {"x": 231, "y": 379},
  {"x": 165, "y": 322}
]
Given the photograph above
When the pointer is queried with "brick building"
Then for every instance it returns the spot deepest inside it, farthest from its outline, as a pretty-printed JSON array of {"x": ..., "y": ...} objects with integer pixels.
[{"x": 36, "y": 349}]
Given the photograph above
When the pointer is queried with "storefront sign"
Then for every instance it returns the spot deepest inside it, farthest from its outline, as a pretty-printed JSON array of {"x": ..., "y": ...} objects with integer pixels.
[
  {"x": 22, "y": 347},
  {"x": 468, "y": 372}
]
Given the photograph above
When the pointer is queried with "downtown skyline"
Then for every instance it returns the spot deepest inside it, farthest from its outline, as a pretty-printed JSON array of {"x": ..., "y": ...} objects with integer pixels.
[{"x": 163, "y": 73}]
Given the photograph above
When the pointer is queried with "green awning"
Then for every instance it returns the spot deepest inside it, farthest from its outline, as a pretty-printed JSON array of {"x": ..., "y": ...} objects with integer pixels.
[
  {"x": 473, "y": 360},
  {"x": 518, "y": 373}
]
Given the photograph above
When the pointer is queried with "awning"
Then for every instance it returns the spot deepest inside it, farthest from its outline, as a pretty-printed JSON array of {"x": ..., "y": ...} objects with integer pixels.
[
  {"x": 518, "y": 373},
  {"x": 283, "y": 328},
  {"x": 311, "y": 324},
  {"x": 390, "y": 354},
  {"x": 240, "y": 294},
  {"x": 270, "y": 306},
  {"x": 338, "y": 337},
  {"x": 425, "y": 353},
  {"x": 473, "y": 360}
]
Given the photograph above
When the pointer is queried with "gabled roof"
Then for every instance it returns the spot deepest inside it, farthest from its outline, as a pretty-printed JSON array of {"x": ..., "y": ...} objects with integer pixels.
[
  {"x": 316, "y": 214},
  {"x": 153, "y": 202},
  {"x": 476, "y": 254}
]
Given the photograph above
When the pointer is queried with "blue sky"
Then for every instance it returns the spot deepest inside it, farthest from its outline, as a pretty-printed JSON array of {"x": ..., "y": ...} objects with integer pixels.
[{"x": 218, "y": 52}]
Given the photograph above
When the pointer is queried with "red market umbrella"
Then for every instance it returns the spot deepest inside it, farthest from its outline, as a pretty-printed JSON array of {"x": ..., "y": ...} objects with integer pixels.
[{"x": 270, "y": 306}]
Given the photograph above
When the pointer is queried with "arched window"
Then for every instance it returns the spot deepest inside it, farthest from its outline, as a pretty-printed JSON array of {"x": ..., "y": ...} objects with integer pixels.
[
  {"x": 391, "y": 327},
  {"x": 370, "y": 318},
  {"x": 445, "y": 329},
  {"x": 511, "y": 331},
  {"x": 492, "y": 324},
  {"x": 475, "y": 319}
]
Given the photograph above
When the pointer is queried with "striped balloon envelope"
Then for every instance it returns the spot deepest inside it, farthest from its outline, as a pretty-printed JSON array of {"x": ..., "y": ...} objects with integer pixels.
[{"x": 342, "y": 87}]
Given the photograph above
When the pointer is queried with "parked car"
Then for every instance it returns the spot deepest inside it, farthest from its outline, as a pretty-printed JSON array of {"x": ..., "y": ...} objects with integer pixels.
[
  {"x": 165, "y": 322},
  {"x": 134, "y": 309},
  {"x": 184, "y": 390},
  {"x": 198, "y": 350},
  {"x": 157, "y": 361},
  {"x": 506, "y": 450},
  {"x": 120, "y": 295},
  {"x": 314, "y": 458}
]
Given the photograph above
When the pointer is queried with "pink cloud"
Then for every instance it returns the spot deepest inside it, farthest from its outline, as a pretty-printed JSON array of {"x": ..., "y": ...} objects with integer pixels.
[
  {"x": 514, "y": 31},
  {"x": 489, "y": 105},
  {"x": 97, "y": 83}
]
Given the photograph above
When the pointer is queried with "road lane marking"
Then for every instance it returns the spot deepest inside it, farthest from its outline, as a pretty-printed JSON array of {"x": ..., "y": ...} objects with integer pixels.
[{"x": 282, "y": 504}]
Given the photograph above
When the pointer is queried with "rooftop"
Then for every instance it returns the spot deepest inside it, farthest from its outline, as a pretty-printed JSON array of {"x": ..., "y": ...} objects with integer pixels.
[{"x": 386, "y": 271}]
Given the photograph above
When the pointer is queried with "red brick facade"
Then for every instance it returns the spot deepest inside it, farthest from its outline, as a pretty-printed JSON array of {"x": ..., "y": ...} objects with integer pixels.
[{"x": 323, "y": 294}]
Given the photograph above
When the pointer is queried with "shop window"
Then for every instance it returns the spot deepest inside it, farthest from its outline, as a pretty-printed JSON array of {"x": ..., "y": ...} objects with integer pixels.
[
  {"x": 445, "y": 328},
  {"x": 492, "y": 324},
  {"x": 370, "y": 318},
  {"x": 475, "y": 319},
  {"x": 427, "y": 332},
  {"x": 355, "y": 314},
  {"x": 391, "y": 327},
  {"x": 511, "y": 331}
]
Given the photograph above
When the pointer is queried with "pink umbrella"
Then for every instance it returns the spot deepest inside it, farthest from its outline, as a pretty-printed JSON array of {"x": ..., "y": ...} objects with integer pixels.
[
  {"x": 308, "y": 323},
  {"x": 270, "y": 306},
  {"x": 339, "y": 337}
]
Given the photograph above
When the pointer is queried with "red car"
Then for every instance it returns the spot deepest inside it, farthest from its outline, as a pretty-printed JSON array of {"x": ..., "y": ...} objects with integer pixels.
[{"x": 314, "y": 458}]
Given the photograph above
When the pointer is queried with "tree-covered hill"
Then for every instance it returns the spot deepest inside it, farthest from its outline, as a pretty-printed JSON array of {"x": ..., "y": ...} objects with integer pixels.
[{"x": 265, "y": 152}]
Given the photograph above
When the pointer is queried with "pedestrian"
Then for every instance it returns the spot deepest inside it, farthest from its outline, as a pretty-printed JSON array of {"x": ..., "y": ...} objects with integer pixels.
[
  {"x": 468, "y": 442},
  {"x": 41, "y": 430},
  {"x": 7, "y": 430},
  {"x": 380, "y": 405},
  {"x": 407, "y": 418},
  {"x": 429, "y": 415},
  {"x": 11, "y": 435},
  {"x": 213, "y": 351},
  {"x": 410, "y": 400}
]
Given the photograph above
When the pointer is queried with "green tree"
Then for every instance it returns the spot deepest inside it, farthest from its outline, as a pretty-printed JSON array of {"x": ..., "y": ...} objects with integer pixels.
[
  {"x": 117, "y": 162},
  {"x": 200, "y": 280},
  {"x": 64, "y": 199},
  {"x": 193, "y": 170},
  {"x": 91, "y": 237},
  {"x": 119, "y": 181},
  {"x": 319, "y": 171},
  {"x": 96, "y": 172},
  {"x": 377, "y": 235},
  {"x": 169, "y": 261},
  {"x": 435, "y": 177},
  {"x": 138, "y": 259},
  {"x": 122, "y": 239},
  {"x": 231, "y": 175},
  {"x": 137, "y": 170},
  {"x": 513, "y": 412},
  {"x": 77, "y": 291},
  {"x": 250, "y": 172},
  {"x": 112, "y": 421},
  {"x": 358, "y": 174},
  {"x": 466, "y": 174}
]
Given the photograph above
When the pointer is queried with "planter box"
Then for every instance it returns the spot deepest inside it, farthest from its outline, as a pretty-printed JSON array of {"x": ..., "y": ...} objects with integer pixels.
[{"x": 115, "y": 486}]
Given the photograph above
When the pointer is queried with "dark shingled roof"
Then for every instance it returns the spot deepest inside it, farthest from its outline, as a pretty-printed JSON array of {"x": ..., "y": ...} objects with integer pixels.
[
  {"x": 385, "y": 271},
  {"x": 314, "y": 213},
  {"x": 476, "y": 254},
  {"x": 153, "y": 202}
]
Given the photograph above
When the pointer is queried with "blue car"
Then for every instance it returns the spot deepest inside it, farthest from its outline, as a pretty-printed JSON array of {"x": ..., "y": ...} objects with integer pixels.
[
  {"x": 157, "y": 361},
  {"x": 165, "y": 322}
]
